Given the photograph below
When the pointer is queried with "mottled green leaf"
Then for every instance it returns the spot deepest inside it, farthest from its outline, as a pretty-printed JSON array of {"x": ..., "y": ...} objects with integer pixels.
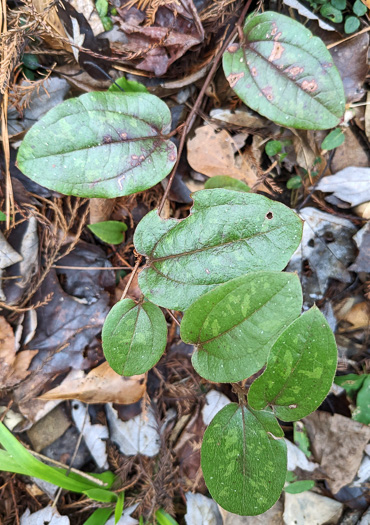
[
  {"x": 351, "y": 383},
  {"x": 300, "y": 369},
  {"x": 226, "y": 182},
  {"x": 2, "y": 216},
  {"x": 109, "y": 231},
  {"x": 285, "y": 73},
  {"x": 331, "y": 13},
  {"x": 100, "y": 145},
  {"x": 299, "y": 486},
  {"x": 134, "y": 337},
  {"x": 227, "y": 234},
  {"x": 235, "y": 325},
  {"x": 244, "y": 460},
  {"x": 362, "y": 411}
]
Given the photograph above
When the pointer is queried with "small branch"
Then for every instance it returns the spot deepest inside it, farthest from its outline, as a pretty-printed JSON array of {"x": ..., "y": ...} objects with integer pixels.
[
  {"x": 133, "y": 273},
  {"x": 189, "y": 120}
]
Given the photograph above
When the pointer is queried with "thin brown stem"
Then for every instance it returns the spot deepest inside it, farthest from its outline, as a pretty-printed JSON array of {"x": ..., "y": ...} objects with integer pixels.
[{"x": 133, "y": 273}]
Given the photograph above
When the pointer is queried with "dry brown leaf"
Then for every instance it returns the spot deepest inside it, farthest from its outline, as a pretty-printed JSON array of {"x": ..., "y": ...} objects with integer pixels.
[
  {"x": 358, "y": 316},
  {"x": 53, "y": 20},
  {"x": 305, "y": 148},
  {"x": 338, "y": 444},
  {"x": 100, "y": 385},
  {"x": 13, "y": 366},
  {"x": 213, "y": 153},
  {"x": 101, "y": 209},
  {"x": 350, "y": 153}
]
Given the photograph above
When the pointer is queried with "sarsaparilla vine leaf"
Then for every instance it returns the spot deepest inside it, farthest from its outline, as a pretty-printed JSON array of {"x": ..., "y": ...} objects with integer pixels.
[
  {"x": 300, "y": 369},
  {"x": 285, "y": 73},
  {"x": 100, "y": 145},
  {"x": 134, "y": 337},
  {"x": 235, "y": 325},
  {"x": 244, "y": 459},
  {"x": 227, "y": 234}
]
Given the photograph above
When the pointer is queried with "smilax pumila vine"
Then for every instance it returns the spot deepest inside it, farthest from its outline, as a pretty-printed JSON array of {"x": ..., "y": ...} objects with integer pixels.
[{"x": 223, "y": 264}]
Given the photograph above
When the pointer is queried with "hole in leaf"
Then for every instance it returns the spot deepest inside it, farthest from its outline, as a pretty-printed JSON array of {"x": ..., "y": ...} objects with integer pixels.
[
  {"x": 311, "y": 243},
  {"x": 269, "y": 215}
]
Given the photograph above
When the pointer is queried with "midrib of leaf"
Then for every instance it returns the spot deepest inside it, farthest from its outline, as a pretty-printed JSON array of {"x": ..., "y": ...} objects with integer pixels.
[
  {"x": 114, "y": 143},
  {"x": 199, "y": 250},
  {"x": 133, "y": 336},
  {"x": 201, "y": 343},
  {"x": 118, "y": 175}
]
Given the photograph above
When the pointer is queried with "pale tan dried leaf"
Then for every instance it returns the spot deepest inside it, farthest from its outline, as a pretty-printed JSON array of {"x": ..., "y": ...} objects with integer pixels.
[
  {"x": 350, "y": 153},
  {"x": 87, "y": 8},
  {"x": 56, "y": 26},
  {"x": 358, "y": 317},
  {"x": 100, "y": 385},
  {"x": 13, "y": 366},
  {"x": 337, "y": 443},
  {"x": 213, "y": 153},
  {"x": 363, "y": 210},
  {"x": 367, "y": 114},
  {"x": 101, "y": 209}
]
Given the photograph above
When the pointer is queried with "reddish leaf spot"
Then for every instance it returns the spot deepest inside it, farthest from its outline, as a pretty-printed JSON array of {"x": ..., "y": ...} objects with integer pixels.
[
  {"x": 234, "y": 78},
  {"x": 233, "y": 48},
  {"x": 267, "y": 91},
  {"x": 293, "y": 71},
  {"x": 276, "y": 52},
  {"x": 309, "y": 85},
  {"x": 123, "y": 135},
  {"x": 254, "y": 72},
  {"x": 292, "y": 406},
  {"x": 107, "y": 139}
]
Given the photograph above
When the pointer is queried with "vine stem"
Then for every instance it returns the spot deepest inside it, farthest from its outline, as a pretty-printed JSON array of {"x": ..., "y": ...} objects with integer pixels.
[
  {"x": 133, "y": 273},
  {"x": 189, "y": 120}
]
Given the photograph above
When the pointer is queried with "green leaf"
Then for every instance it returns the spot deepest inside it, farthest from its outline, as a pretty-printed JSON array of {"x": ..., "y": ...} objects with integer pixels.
[
  {"x": 351, "y": 383},
  {"x": 109, "y": 231},
  {"x": 362, "y": 412},
  {"x": 119, "y": 507},
  {"x": 163, "y": 518},
  {"x": 102, "y": 7},
  {"x": 100, "y": 145},
  {"x": 333, "y": 140},
  {"x": 301, "y": 438},
  {"x": 226, "y": 182},
  {"x": 294, "y": 183},
  {"x": 330, "y": 12},
  {"x": 18, "y": 459},
  {"x": 227, "y": 234},
  {"x": 359, "y": 8},
  {"x": 300, "y": 369},
  {"x": 134, "y": 337},
  {"x": 130, "y": 86},
  {"x": 285, "y": 73},
  {"x": 99, "y": 517},
  {"x": 299, "y": 486},
  {"x": 244, "y": 460},
  {"x": 30, "y": 61},
  {"x": 339, "y": 4},
  {"x": 351, "y": 24},
  {"x": 105, "y": 496},
  {"x": 235, "y": 325},
  {"x": 273, "y": 147},
  {"x": 2, "y": 216}
]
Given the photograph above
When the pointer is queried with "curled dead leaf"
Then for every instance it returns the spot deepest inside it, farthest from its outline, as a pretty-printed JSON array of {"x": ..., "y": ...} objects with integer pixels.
[{"x": 100, "y": 385}]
